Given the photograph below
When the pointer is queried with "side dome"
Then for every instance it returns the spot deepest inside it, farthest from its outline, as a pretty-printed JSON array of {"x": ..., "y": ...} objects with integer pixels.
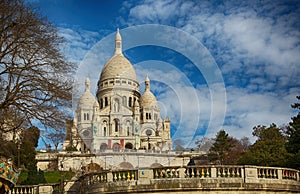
[
  {"x": 148, "y": 99},
  {"x": 118, "y": 67},
  {"x": 87, "y": 99}
]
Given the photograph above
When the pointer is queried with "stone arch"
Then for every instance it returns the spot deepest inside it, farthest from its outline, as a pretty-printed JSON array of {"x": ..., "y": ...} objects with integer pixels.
[
  {"x": 128, "y": 145},
  {"x": 116, "y": 146},
  {"x": 93, "y": 167},
  {"x": 148, "y": 129},
  {"x": 103, "y": 146},
  {"x": 156, "y": 165},
  {"x": 125, "y": 165},
  {"x": 128, "y": 128},
  {"x": 116, "y": 125},
  {"x": 116, "y": 105}
]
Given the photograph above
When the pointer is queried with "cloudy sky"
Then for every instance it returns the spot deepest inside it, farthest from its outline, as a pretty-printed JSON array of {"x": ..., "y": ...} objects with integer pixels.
[{"x": 213, "y": 64}]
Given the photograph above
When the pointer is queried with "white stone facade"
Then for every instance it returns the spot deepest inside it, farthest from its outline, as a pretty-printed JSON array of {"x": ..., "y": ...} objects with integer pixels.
[{"x": 120, "y": 117}]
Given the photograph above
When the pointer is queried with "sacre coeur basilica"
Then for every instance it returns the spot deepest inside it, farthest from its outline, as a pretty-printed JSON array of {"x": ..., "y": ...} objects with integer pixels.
[{"x": 120, "y": 117}]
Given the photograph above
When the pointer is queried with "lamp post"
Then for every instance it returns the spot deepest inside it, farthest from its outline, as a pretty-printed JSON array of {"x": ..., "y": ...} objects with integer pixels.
[
  {"x": 19, "y": 157},
  {"x": 148, "y": 133}
]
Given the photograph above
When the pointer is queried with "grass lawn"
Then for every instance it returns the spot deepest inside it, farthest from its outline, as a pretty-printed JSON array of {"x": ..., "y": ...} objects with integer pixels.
[{"x": 51, "y": 176}]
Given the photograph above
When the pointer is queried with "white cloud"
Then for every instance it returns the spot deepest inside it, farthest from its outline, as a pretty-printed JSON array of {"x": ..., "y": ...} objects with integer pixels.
[{"x": 258, "y": 55}]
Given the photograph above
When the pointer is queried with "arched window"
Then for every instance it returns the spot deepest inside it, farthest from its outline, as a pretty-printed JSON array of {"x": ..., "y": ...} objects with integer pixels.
[
  {"x": 128, "y": 127},
  {"x": 86, "y": 117},
  {"x": 105, "y": 101},
  {"x": 101, "y": 103},
  {"x": 104, "y": 128},
  {"x": 116, "y": 122},
  {"x": 147, "y": 116},
  {"x": 130, "y": 102},
  {"x": 118, "y": 45}
]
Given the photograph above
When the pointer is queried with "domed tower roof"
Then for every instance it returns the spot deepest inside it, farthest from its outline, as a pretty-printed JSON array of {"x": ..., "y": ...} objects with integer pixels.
[
  {"x": 148, "y": 99},
  {"x": 118, "y": 66},
  {"x": 87, "y": 99}
]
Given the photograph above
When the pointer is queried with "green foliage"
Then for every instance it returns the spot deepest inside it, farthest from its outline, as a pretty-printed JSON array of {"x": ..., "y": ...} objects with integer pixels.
[
  {"x": 269, "y": 148},
  {"x": 48, "y": 176},
  {"x": 293, "y": 140},
  {"x": 8, "y": 149},
  {"x": 32, "y": 134},
  {"x": 56, "y": 176},
  {"x": 71, "y": 148},
  {"x": 34, "y": 177},
  {"x": 219, "y": 152}
]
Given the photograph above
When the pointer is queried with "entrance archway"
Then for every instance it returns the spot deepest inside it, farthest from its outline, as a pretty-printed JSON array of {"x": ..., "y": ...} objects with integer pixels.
[
  {"x": 116, "y": 146},
  {"x": 128, "y": 146},
  {"x": 103, "y": 146}
]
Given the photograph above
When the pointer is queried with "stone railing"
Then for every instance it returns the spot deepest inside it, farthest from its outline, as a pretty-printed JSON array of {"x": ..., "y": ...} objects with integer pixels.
[
  {"x": 166, "y": 172},
  {"x": 36, "y": 189},
  {"x": 207, "y": 177},
  {"x": 124, "y": 175}
]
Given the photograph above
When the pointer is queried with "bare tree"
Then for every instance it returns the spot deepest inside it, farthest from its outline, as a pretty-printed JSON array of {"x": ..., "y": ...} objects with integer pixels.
[
  {"x": 35, "y": 79},
  {"x": 56, "y": 137}
]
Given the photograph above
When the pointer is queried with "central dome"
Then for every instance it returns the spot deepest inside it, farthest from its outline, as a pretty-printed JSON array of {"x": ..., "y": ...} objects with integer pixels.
[{"x": 118, "y": 67}]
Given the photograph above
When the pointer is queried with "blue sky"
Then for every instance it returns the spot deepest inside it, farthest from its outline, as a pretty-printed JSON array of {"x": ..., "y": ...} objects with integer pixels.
[{"x": 215, "y": 65}]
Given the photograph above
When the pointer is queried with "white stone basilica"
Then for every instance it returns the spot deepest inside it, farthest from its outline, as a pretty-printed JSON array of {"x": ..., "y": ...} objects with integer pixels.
[{"x": 120, "y": 117}]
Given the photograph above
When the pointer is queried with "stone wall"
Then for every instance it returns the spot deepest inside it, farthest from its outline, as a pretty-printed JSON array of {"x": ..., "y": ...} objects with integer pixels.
[{"x": 110, "y": 159}]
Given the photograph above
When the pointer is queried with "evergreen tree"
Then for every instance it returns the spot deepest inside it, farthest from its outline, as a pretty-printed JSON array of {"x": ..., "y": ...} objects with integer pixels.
[
  {"x": 293, "y": 141},
  {"x": 219, "y": 152},
  {"x": 269, "y": 148}
]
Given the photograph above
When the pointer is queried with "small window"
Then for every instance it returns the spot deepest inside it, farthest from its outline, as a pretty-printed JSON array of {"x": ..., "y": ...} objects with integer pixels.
[
  {"x": 105, "y": 101},
  {"x": 123, "y": 82},
  {"x": 116, "y": 125},
  {"x": 118, "y": 45},
  {"x": 130, "y": 102},
  {"x": 86, "y": 116},
  {"x": 101, "y": 103},
  {"x": 129, "y": 83}
]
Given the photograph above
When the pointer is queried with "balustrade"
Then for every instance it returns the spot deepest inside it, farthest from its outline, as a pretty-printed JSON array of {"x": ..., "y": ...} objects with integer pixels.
[
  {"x": 229, "y": 171},
  {"x": 126, "y": 175},
  {"x": 247, "y": 174},
  {"x": 166, "y": 172},
  {"x": 23, "y": 190},
  {"x": 290, "y": 174},
  {"x": 269, "y": 173},
  {"x": 197, "y": 171}
]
